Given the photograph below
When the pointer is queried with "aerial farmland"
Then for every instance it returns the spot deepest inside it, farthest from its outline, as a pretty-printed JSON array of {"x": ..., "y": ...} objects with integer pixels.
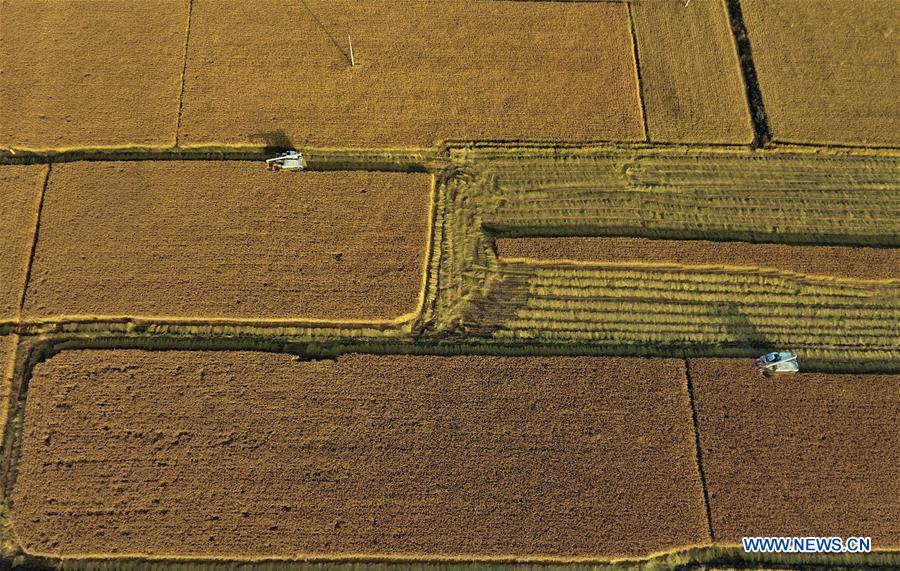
[{"x": 449, "y": 284}]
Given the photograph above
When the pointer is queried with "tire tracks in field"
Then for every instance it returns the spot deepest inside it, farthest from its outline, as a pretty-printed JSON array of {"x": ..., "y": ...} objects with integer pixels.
[{"x": 187, "y": 39}]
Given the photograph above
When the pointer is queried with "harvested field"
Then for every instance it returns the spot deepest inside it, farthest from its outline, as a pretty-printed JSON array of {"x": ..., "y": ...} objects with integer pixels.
[
  {"x": 252, "y": 454},
  {"x": 543, "y": 70},
  {"x": 20, "y": 194},
  {"x": 91, "y": 72},
  {"x": 801, "y": 455},
  {"x": 693, "y": 89},
  {"x": 828, "y": 71},
  {"x": 664, "y": 305},
  {"x": 660, "y": 307},
  {"x": 229, "y": 240},
  {"x": 838, "y": 261}
]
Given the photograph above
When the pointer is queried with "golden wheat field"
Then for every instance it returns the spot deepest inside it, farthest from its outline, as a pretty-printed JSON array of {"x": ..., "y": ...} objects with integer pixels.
[
  {"x": 828, "y": 70},
  {"x": 470, "y": 284},
  {"x": 693, "y": 90},
  {"x": 90, "y": 72},
  {"x": 226, "y": 240},
  {"x": 423, "y": 75}
]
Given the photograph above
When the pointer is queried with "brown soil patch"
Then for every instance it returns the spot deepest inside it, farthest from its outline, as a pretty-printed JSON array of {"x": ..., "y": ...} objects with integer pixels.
[
  {"x": 230, "y": 240},
  {"x": 807, "y": 454},
  {"x": 468, "y": 70},
  {"x": 839, "y": 261},
  {"x": 90, "y": 72},
  {"x": 828, "y": 71},
  {"x": 251, "y": 454},
  {"x": 693, "y": 89},
  {"x": 20, "y": 193}
]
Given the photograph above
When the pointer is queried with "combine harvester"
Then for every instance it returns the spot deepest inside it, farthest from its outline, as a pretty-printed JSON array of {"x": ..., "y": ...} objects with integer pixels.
[
  {"x": 777, "y": 362},
  {"x": 287, "y": 161}
]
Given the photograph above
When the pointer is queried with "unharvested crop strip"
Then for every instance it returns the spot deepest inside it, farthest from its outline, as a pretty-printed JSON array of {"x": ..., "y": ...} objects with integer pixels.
[
  {"x": 761, "y": 129},
  {"x": 187, "y": 39},
  {"x": 34, "y": 241}
]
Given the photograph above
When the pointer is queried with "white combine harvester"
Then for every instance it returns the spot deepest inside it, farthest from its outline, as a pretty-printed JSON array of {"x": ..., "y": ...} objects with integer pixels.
[
  {"x": 287, "y": 161},
  {"x": 777, "y": 362}
]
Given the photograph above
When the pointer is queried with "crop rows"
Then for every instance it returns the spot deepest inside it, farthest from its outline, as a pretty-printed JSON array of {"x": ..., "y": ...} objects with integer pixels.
[
  {"x": 665, "y": 306},
  {"x": 785, "y": 199},
  {"x": 815, "y": 217},
  {"x": 605, "y": 304},
  {"x": 660, "y": 166}
]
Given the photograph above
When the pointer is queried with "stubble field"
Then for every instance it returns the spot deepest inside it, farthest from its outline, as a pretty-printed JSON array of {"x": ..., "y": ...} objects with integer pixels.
[
  {"x": 90, "y": 72},
  {"x": 228, "y": 240},
  {"x": 252, "y": 454},
  {"x": 268, "y": 69},
  {"x": 802, "y": 455}
]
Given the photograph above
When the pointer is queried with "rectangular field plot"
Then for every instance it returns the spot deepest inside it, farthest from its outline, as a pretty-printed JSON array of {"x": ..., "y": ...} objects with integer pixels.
[
  {"x": 20, "y": 193},
  {"x": 799, "y": 455},
  {"x": 425, "y": 72},
  {"x": 828, "y": 71},
  {"x": 229, "y": 240},
  {"x": 91, "y": 72},
  {"x": 252, "y": 454},
  {"x": 693, "y": 90},
  {"x": 838, "y": 261}
]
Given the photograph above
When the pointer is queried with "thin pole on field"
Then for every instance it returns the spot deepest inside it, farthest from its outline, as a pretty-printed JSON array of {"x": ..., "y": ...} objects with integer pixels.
[{"x": 352, "y": 59}]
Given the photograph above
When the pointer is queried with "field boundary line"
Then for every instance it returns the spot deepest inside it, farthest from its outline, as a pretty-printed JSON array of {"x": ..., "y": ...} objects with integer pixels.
[
  {"x": 142, "y": 320},
  {"x": 679, "y": 557},
  {"x": 762, "y": 131},
  {"x": 698, "y": 450},
  {"x": 430, "y": 249},
  {"x": 187, "y": 39},
  {"x": 637, "y": 69},
  {"x": 34, "y": 242}
]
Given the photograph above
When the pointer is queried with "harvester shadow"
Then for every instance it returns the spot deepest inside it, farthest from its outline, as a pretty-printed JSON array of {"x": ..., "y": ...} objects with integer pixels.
[
  {"x": 276, "y": 141},
  {"x": 741, "y": 331}
]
